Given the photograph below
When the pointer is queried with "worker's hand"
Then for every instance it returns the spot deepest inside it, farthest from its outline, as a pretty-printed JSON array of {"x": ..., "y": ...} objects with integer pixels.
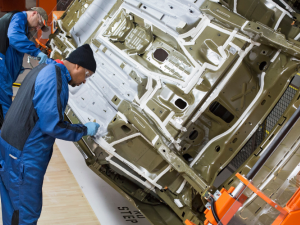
[
  {"x": 43, "y": 57},
  {"x": 22, "y": 70},
  {"x": 92, "y": 128}
]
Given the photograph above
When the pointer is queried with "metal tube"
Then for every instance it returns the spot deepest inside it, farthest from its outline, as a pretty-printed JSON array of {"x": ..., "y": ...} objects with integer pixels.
[
  {"x": 268, "y": 152},
  {"x": 238, "y": 190}
]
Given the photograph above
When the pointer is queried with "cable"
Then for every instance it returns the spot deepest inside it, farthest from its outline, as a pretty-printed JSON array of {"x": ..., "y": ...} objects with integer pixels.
[{"x": 213, "y": 210}]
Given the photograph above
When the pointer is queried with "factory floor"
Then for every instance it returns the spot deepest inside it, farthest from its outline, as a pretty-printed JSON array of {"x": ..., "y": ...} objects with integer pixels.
[{"x": 63, "y": 199}]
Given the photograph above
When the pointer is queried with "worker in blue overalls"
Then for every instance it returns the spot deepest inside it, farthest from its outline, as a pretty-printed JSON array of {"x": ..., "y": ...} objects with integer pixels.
[
  {"x": 14, "y": 43},
  {"x": 34, "y": 120}
]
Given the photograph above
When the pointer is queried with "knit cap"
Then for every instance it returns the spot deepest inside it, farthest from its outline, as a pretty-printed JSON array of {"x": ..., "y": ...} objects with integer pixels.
[{"x": 84, "y": 57}]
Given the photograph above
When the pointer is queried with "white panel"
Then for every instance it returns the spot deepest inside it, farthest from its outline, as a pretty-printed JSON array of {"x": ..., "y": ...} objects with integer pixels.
[
  {"x": 90, "y": 20},
  {"x": 90, "y": 105},
  {"x": 104, "y": 200},
  {"x": 152, "y": 12}
]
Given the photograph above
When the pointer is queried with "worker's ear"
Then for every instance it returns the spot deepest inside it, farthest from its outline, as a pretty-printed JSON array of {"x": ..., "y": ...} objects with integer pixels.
[{"x": 77, "y": 67}]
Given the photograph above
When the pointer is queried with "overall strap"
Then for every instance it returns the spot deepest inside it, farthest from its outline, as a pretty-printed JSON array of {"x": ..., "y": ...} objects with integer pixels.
[
  {"x": 4, "y": 24},
  {"x": 21, "y": 116}
]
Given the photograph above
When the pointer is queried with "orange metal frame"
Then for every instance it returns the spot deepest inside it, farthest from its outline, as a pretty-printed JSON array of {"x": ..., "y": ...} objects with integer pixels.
[
  {"x": 47, "y": 50},
  {"x": 293, "y": 209},
  {"x": 188, "y": 222},
  {"x": 226, "y": 206},
  {"x": 290, "y": 214},
  {"x": 261, "y": 195}
]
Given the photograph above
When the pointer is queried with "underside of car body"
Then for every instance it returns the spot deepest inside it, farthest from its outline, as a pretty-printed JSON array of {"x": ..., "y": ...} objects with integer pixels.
[{"x": 188, "y": 93}]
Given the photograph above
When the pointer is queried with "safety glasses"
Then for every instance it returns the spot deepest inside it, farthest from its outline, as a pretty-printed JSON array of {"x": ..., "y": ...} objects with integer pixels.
[
  {"x": 87, "y": 74},
  {"x": 41, "y": 23}
]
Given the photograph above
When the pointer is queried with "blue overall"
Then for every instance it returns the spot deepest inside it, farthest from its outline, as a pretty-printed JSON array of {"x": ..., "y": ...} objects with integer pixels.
[
  {"x": 34, "y": 120},
  {"x": 11, "y": 61}
]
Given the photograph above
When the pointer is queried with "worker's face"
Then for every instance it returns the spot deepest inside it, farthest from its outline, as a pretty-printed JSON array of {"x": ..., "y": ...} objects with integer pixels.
[
  {"x": 79, "y": 75},
  {"x": 35, "y": 21}
]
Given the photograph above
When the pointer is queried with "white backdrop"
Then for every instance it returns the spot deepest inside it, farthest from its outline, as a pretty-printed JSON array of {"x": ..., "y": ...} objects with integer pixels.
[{"x": 109, "y": 206}]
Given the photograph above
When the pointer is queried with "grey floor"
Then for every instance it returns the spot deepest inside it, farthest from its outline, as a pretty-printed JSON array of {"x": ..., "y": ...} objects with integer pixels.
[{"x": 21, "y": 77}]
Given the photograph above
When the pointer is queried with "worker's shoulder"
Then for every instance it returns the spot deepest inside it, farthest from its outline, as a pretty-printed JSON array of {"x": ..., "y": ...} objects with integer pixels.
[
  {"x": 47, "y": 74},
  {"x": 51, "y": 69},
  {"x": 19, "y": 16}
]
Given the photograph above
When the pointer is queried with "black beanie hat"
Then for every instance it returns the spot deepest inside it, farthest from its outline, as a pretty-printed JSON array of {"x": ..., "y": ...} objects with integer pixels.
[{"x": 83, "y": 56}]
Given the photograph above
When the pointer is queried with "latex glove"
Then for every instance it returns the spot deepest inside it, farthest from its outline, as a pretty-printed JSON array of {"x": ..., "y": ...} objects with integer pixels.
[
  {"x": 43, "y": 57},
  {"x": 92, "y": 128},
  {"x": 22, "y": 70}
]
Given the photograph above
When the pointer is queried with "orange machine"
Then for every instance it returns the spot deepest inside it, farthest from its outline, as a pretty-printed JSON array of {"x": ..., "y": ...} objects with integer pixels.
[
  {"x": 289, "y": 214},
  {"x": 55, "y": 17},
  {"x": 225, "y": 207},
  {"x": 222, "y": 209},
  {"x": 292, "y": 211}
]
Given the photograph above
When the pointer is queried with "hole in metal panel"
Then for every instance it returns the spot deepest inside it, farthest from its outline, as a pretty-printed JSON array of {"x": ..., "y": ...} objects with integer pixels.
[
  {"x": 125, "y": 128},
  {"x": 262, "y": 65},
  {"x": 193, "y": 135},
  {"x": 188, "y": 157},
  {"x": 160, "y": 54},
  {"x": 180, "y": 103},
  {"x": 220, "y": 111},
  {"x": 257, "y": 210}
]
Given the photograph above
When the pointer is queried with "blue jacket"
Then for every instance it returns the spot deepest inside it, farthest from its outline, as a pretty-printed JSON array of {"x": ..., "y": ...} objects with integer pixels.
[
  {"x": 19, "y": 44},
  {"x": 34, "y": 120}
]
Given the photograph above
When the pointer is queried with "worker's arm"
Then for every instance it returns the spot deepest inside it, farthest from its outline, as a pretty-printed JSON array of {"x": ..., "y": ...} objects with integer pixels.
[
  {"x": 47, "y": 103},
  {"x": 17, "y": 36}
]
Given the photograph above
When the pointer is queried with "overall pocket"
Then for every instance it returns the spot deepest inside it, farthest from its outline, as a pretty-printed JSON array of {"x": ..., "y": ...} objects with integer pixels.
[
  {"x": 14, "y": 180},
  {"x": 14, "y": 171}
]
